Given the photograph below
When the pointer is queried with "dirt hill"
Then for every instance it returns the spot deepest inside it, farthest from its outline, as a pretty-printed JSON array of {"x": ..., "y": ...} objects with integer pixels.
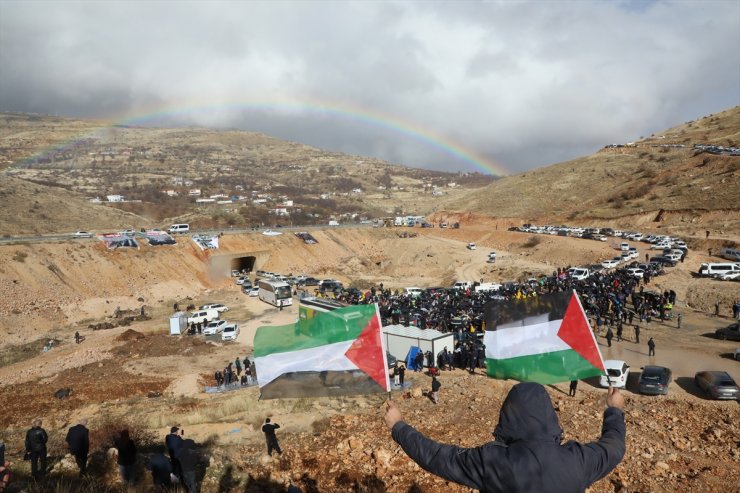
[{"x": 621, "y": 185}]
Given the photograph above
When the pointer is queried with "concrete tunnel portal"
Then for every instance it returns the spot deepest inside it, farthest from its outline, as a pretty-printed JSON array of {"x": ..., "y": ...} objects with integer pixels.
[{"x": 222, "y": 265}]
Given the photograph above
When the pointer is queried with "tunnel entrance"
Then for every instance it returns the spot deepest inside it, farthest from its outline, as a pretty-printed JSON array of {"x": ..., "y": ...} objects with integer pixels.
[{"x": 243, "y": 264}]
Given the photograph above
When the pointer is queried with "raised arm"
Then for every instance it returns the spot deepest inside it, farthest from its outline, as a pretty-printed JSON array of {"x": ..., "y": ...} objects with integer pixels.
[
  {"x": 461, "y": 465},
  {"x": 605, "y": 454}
]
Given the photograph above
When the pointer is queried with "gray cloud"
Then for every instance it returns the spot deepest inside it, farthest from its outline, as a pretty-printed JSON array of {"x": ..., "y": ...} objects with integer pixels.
[{"x": 521, "y": 83}]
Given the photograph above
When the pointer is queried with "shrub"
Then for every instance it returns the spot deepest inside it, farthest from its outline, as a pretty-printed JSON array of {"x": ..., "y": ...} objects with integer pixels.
[
  {"x": 533, "y": 241},
  {"x": 20, "y": 257}
]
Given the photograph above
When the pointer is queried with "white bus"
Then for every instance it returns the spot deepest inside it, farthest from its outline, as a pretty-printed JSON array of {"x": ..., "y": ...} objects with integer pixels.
[{"x": 278, "y": 293}]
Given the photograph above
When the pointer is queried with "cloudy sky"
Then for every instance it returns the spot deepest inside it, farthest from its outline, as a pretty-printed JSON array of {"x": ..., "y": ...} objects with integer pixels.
[{"x": 448, "y": 85}]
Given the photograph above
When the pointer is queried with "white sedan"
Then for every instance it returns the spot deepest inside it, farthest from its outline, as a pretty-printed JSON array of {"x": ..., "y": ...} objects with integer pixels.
[
  {"x": 83, "y": 234},
  {"x": 255, "y": 291},
  {"x": 636, "y": 272},
  {"x": 230, "y": 332},
  {"x": 609, "y": 264},
  {"x": 214, "y": 327}
]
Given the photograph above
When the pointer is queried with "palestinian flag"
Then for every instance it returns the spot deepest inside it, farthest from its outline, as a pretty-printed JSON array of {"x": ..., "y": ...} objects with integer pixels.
[
  {"x": 545, "y": 339},
  {"x": 339, "y": 352}
]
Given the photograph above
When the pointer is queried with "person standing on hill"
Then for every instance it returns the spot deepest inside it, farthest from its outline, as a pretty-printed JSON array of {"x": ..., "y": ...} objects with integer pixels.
[
  {"x": 173, "y": 441},
  {"x": 527, "y": 454},
  {"x": 435, "y": 390},
  {"x": 126, "y": 456},
  {"x": 78, "y": 441},
  {"x": 573, "y": 388},
  {"x": 272, "y": 442},
  {"x": 36, "y": 439},
  {"x": 401, "y": 374}
]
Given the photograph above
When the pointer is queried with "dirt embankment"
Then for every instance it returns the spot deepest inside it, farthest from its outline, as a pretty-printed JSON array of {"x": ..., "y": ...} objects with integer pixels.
[{"x": 44, "y": 287}]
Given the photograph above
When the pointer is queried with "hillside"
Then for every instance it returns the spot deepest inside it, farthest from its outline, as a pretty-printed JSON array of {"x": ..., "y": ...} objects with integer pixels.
[
  {"x": 695, "y": 188},
  {"x": 239, "y": 178}
]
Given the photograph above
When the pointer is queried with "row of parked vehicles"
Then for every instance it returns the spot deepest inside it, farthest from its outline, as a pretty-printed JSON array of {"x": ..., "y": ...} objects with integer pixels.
[
  {"x": 655, "y": 380},
  {"x": 210, "y": 315}
]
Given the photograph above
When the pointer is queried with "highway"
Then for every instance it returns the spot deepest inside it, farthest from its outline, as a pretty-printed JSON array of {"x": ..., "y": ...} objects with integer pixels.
[{"x": 57, "y": 237}]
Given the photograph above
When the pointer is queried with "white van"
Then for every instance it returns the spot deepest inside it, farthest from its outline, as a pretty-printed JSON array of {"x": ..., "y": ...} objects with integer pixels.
[
  {"x": 203, "y": 316},
  {"x": 625, "y": 247},
  {"x": 578, "y": 273},
  {"x": 413, "y": 291},
  {"x": 333, "y": 223},
  {"x": 730, "y": 254},
  {"x": 718, "y": 269},
  {"x": 178, "y": 228},
  {"x": 462, "y": 285}
]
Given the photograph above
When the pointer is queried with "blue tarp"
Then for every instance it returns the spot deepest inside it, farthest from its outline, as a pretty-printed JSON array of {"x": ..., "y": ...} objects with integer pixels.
[{"x": 411, "y": 358}]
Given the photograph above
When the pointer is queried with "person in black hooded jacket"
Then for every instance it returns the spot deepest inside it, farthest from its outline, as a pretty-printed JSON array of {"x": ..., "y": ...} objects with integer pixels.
[{"x": 527, "y": 454}]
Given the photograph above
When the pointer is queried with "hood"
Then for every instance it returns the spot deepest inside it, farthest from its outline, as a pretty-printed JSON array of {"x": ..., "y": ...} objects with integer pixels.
[{"x": 528, "y": 415}]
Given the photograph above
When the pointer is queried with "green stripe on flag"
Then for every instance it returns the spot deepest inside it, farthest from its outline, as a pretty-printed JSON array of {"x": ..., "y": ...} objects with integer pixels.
[
  {"x": 545, "y": 368},
  {"x": 344, "y": 324}
]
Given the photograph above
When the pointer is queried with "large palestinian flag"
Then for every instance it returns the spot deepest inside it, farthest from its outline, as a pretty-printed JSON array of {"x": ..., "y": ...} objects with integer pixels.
[
  {"x": 334, "y": 353},
  {"x": 545, "y": 339}
]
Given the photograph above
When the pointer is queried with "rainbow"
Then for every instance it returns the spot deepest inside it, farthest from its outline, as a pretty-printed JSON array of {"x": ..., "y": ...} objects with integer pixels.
[{"x": 345, "y": 112}]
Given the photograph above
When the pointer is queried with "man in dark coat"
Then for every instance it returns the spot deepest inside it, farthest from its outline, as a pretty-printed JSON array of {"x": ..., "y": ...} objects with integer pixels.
[
  {"x": 78, "y": 441},
  {"x": 272, "y": 442},
  {"x": 187, "y": 457},
  {"x": 651, "y": 347},
  {"x": 173, "y": 441},
  {"x": 527, "y": 454},
  {"x": 609, "y": 335},
  {"x": 36, "y": 439},
  {"x": 161, "y": 469}
]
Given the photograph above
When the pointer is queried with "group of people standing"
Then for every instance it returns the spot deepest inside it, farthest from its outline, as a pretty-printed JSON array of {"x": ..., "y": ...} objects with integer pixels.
[
  {"x": 180, "y": 467},
  {"x": 232, "y": 373}
]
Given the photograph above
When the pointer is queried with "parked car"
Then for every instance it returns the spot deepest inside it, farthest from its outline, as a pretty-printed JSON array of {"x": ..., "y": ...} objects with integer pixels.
[
  {"x": 618, "y": 372},
  {"x": 230, "y": 332},
  {"x": 219, "y": 307},
  {"x": 214, "y": 327},
  {"x": 310, "y": 281},
  {"x": 128, "y": 232},
  {"x": 717, "y": 385},
  {"x": 730, "y": 276},
  {"x": 731, "y": 332},
  {"x": 663, "y": 261},
  {"x": 737, "y": 354},
  {"x": 240, "y": 280},
  {"x": 255, "y": 291},
  {"x": 235, "y": 273},
  {"x": 636, "y": 272},
  {"x": 471, "y": 246},
  {"x": 609, "y": 264},
  {"x": 83, "y": 234},
  {"x": 654, "y": 380},
  {"x": 246, "y": 286}
]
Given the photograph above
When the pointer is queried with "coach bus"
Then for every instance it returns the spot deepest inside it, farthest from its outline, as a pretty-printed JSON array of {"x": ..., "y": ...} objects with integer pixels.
[{"x": 277, "y": 293}]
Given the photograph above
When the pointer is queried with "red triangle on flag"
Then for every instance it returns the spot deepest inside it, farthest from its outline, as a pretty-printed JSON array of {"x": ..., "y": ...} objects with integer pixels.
[
  {"x": 575, "y": 331},
  {"x": 367, "y": 353}
]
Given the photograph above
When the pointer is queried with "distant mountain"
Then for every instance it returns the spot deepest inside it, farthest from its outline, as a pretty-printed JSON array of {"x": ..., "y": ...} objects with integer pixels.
[
  {"x": 162, "y": 172},
  {"x": 682, "y": 171}
]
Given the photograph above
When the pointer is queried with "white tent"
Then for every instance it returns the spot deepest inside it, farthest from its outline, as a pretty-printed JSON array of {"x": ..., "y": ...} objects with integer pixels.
[
  {"x": 178, "y": 323},
  {"x": 399, "y": 339}
]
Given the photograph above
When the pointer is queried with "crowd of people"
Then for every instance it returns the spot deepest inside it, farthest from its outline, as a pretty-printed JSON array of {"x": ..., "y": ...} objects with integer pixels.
[{"x": 610, "y": 298}]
